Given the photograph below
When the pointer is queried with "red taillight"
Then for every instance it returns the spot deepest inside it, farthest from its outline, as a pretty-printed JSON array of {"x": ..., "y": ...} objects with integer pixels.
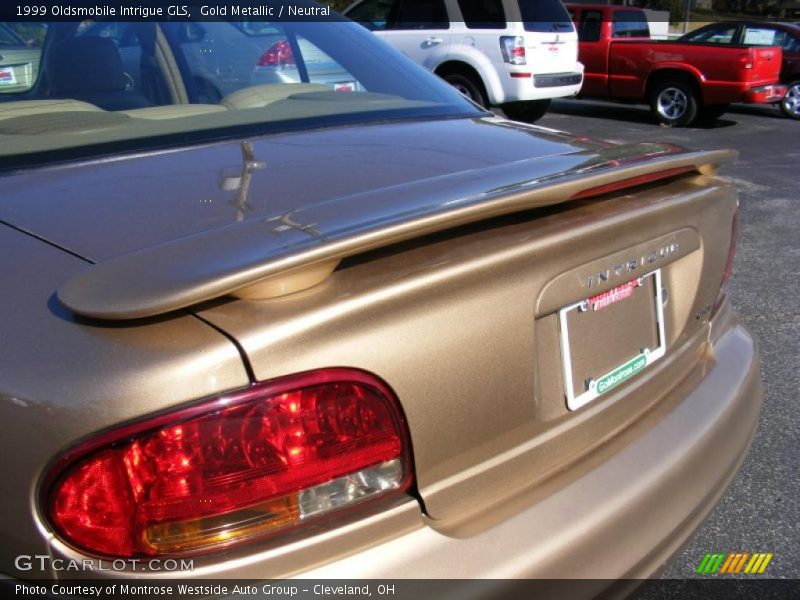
[
  {"x": 728, "y": 270},
  {"x": 234, "y": 468},
  {"x": 278, "y": 55}
]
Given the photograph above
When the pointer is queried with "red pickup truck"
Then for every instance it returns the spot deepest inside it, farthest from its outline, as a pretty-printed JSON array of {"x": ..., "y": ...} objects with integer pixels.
[{"x": 680, "y": 80}]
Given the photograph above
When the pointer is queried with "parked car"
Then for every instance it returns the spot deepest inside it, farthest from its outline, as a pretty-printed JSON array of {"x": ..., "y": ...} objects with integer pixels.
[
  {"x": 756, "y": 34},
  {"x": 518, "y": 54},
  {"x": 18, "y": 62},
  {"x": 681, "y": 80},
  {"x": 352, "y": 334}
]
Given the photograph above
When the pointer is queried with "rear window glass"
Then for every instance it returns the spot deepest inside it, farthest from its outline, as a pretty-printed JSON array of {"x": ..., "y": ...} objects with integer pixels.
[
  {"x": 629, "y": 23},
  {"x": 95, "y": 87},
  {"x": 545, "y": 16},
  {"x": 483, "y": 14}
]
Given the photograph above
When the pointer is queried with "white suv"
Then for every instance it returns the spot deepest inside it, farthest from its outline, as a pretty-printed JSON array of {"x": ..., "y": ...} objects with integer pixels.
[{"x": 514, "y": 53}]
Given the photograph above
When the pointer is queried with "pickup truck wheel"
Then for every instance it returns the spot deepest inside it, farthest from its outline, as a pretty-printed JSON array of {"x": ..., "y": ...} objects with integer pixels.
[
  {"x": 467, "y": 86},
  {"x": 790, "y": 105},
  {"x": 529, "y": 111},
  {"x": 673, "y": 103}
]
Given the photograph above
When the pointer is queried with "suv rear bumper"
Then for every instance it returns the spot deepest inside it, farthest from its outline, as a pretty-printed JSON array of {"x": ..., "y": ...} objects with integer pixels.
[
  {"x": 520, "y": 84},
  {"x": 621, "y": 519},
  {"x": 557, "y": 80}
]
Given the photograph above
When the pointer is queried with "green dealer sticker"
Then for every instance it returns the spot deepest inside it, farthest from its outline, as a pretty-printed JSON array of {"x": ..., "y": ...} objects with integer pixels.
[{"x": 622, "y": 373}]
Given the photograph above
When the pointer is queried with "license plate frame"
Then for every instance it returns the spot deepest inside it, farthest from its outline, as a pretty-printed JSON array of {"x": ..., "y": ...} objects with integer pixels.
[{"x": 627, "y": 369}]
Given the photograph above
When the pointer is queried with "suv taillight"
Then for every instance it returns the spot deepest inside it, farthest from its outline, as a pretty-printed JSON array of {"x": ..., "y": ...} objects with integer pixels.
[
  {"x": 513, "y": 49},
  {"x": 234, "y": 468},
  {"x": 278, "y": 55}
]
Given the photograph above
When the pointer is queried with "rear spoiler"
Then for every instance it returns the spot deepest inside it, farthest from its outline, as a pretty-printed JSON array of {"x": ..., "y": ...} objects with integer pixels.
[{"x": 252, "y": 260}]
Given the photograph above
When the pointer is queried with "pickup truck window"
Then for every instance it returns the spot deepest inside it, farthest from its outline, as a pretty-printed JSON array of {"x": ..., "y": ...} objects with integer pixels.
[
  {"x": 488, "y": 14},
  {"x": 590, "y": 26},
  {"x": 629, "y": 23}
]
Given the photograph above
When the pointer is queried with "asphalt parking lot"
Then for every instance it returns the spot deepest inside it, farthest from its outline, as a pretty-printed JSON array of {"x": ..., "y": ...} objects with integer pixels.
[{"x": 761, "y": 510}]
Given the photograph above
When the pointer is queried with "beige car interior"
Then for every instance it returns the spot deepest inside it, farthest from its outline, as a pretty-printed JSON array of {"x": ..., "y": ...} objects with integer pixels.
[{"x": 32, "y": 117}]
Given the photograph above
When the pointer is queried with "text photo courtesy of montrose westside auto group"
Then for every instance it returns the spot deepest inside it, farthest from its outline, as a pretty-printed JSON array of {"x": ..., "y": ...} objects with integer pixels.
[{"x": 400, "y": 298}]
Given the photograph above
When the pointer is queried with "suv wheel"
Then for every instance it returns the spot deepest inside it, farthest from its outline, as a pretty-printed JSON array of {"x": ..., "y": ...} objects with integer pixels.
[
  {"x": 790, "y": 105},
  {"x": 529, "y": 111},
  {"x": 674, "y": 103},
  {"x": 467, "y": 85}
]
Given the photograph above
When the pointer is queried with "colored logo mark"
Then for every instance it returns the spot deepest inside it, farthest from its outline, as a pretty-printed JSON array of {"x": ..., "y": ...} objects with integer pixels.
[
  {"x": 734, "y": 562},
  {"x": 620, "y": 374}
]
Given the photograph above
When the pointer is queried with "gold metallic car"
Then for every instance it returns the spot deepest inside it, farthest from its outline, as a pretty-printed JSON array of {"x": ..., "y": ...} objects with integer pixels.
[{"x": 357, "y": 328}]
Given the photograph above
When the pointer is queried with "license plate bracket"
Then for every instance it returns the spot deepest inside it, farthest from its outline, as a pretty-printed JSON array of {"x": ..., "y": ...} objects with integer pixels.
[{"x": 631, "y": 362}]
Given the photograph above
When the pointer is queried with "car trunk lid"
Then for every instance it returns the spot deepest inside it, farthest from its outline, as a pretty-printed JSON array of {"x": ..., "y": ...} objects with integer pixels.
[{"x": 464, "y": 326}]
